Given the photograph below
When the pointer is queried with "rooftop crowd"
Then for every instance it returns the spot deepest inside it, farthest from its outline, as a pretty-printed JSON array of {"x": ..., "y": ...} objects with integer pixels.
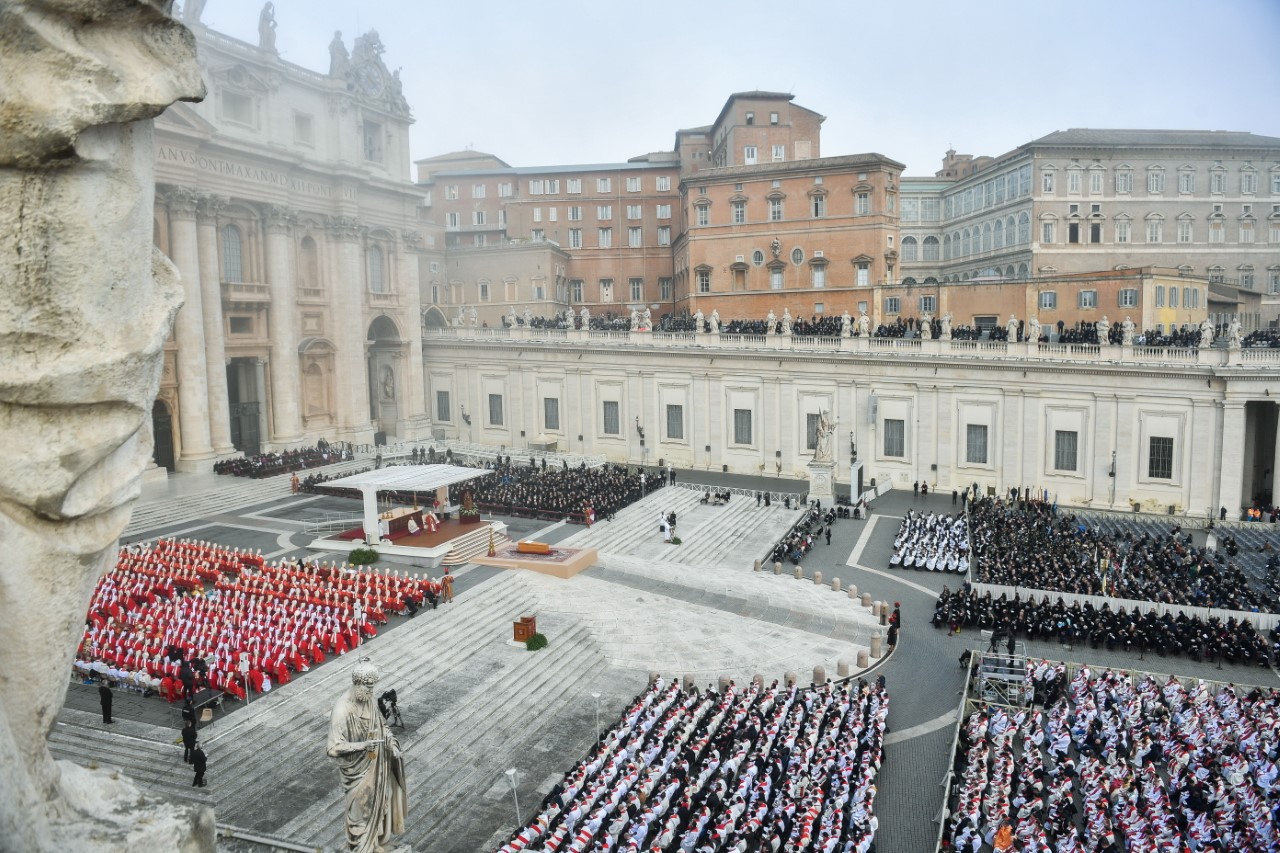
[
  {"x": 175, "y": 615},
  {"x": 283, "y": 462},
  {"x": 1026, "y": 544},
  {"x": 1117, "y": 763},
  {"x": 749, "y": 769}
]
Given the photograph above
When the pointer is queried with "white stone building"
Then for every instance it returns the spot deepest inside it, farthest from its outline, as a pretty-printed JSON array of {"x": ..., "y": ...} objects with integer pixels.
[
  {"x": 1183, "y": 428},
  {"x": 286, "y": 202}
]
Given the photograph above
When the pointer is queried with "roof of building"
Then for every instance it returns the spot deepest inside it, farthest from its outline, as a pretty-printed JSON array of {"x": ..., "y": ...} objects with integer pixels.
[
  {"x": 846, "y": 160},
  {"x": 1086, "y": 136},
  {"x": 462, "y": 155},
  {"x": 554, "y": 170}
]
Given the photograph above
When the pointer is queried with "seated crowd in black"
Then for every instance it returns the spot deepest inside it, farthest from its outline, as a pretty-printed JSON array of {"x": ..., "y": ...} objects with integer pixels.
[
  {"x": 562, "y": 492},
  {"x": 1026, "y": 544},
  {"x": 284, "y": 461},
  {"x": 1036, "y": 617},
  {"x": 1263, "y": 338},
  {"x": 805, "y": 533}
]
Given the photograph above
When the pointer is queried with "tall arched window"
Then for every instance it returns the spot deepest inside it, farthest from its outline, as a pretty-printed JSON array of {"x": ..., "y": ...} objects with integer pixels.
[
  {"x": 232, "y": 254},
  {"x": 930, "y": 248},
  {"x": 999, "y": 235},
  {"x": 377, "y": 276},
  {"x": 965, "y": 244},
  {"x": 1024, "y": 228},
  {"x": 986, "y": 237},
  {"x": 1010, "y": 232},
  {"x": 909, "y": 248},
  {"x": 946, "y": 246}
]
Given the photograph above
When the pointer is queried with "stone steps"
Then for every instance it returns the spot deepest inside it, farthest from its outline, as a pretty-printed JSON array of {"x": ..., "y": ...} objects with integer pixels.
[
  {"x": 472, "y": 545},
  {"x": 222, "y": 494},
  {"x": 154, "y": 763},
  {"x": 461, "y": 630},
  {"x": 491, "y": 746},
  {"x": 637, "y": 523}
]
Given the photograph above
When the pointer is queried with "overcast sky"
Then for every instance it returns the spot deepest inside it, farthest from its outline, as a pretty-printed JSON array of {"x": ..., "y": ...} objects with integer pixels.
[{"x": 560, "y": 82}]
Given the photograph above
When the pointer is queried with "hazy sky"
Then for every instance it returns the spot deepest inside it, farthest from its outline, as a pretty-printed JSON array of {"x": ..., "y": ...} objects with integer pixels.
[{"x": 595, "y": 82}]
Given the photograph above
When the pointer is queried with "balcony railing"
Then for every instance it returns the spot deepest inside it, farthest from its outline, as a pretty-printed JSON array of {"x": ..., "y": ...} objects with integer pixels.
[{"x": 855, "y": 346}]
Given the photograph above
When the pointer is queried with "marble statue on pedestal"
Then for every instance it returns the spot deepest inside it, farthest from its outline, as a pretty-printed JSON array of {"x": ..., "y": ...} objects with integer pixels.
[
  {"x": 946, "y": 327},
  {"x": 864, "y": 324},
  {"x": 786, "y": 321},
  {"x": 1206, "y": 333},
  {"x": 846, "y": 324},
  {"x": 697, "y": 321},
  {"x": 1126, "y": 332},
  {"x": 1011, "y": 329},
  {"x": 371, "y": 765},
  {"x": 585, "y": 316},
  {"x": 822, "y": 451},
  {"x": 267, "y": 28},
  {"x": 1033, "y": 329},
  {"x": 926, "y": 328},
  {"x": 715, "y": 322},
  {"x": 771, "y": 323},
  {"x": 1103, "y": 328},
  {"x": 1233, "y": 333},
  {"x": 86, "y": 305}
]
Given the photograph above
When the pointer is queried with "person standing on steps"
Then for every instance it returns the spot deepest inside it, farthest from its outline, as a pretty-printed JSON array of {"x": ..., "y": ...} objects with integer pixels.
[
  {"x": 671, "y": 473},
  {"x": 188, "y": 740},
  {"x": 104, "y": 697},
  {"x": 446, "y": 586},
  {"x": 199, "y": 763}
]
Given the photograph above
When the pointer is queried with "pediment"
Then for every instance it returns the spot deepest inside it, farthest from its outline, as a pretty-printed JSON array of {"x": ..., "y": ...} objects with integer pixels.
[{"x": 184, "y": 117}]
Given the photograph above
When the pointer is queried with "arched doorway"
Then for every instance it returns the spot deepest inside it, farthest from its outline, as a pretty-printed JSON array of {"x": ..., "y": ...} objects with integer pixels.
[
  {"x": 433, "y": 318},
  {"x": 162, "y": 434},
  {"x": 385, "y": 359}
]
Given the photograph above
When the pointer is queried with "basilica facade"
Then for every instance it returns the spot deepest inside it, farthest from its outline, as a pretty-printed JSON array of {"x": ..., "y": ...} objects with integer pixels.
[{"x": 284, "y": 200}]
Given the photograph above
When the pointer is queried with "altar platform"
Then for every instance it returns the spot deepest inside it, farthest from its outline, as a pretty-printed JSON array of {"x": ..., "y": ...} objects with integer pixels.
[
  {"x": 452, "y": 544},
  {"x": 557, "y": 561}
]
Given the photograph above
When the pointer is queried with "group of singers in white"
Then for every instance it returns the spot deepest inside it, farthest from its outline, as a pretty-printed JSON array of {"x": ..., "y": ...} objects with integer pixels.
[{"x": 931, "y": 541}]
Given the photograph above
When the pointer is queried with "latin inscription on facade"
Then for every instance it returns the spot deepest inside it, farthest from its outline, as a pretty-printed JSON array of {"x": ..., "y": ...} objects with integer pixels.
[{"x": 256, "y": 174}]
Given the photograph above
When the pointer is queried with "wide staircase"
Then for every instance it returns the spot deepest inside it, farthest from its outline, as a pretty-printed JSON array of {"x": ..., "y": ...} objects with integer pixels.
[
  {"x": 203, "y": 495},
  {"x": 738, "y": 532},
  {"x": 472, "y": 545}
]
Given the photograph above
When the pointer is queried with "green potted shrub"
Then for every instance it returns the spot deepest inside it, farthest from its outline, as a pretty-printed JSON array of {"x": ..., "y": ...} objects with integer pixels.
[
  {"x": 364, "y": 556},
  {"x": 536, "y": 642}
]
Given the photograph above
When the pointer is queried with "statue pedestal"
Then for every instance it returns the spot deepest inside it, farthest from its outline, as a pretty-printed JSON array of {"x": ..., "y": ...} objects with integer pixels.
[{"x": 822, "y": 482}]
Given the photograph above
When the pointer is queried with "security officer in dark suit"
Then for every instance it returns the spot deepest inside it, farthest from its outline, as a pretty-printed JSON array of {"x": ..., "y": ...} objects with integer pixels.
[{"x": 199, "y": 762}]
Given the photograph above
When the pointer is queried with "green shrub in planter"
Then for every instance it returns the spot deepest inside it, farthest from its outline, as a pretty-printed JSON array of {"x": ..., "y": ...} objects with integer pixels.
[
  {"x": 363, "y": 557},
  {"x": 535, "y": 642},
  {"x": 676, "y": 540}
]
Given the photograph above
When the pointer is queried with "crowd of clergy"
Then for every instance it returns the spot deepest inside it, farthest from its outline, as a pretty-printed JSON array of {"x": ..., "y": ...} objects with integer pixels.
[
  {"x": 176, "y": 616},
  {"x": 938, "y": 543},
  {"x": 751, "y": 768},
  {"x": 282, "y": 462},
  {"x": 1115, "y": 763},
  {"x": 1027, "y": 544},
  {"x": 1211, "y": 638}
]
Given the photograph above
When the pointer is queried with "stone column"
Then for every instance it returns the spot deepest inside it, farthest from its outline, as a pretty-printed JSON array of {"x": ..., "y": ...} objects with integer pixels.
[
  {"x": 282, "y": 323},
  {"x": 416, "y": 414},
  {"x": 188, "y": 327},
  {"x": 214, "y": 349},
  {"x": 1231, "y": 472},
  {"x": 350, "y": 372},
  {"x": 260, "y": 393}
]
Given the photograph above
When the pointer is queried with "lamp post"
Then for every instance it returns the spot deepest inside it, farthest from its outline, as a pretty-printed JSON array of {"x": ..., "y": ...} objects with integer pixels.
[
  {"x": 511, "y": 777},
  {"x": 596, "y": 696}
]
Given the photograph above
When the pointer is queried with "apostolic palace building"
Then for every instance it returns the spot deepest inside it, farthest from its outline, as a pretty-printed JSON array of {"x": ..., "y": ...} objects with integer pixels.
[{"x": 331, "y": 293}]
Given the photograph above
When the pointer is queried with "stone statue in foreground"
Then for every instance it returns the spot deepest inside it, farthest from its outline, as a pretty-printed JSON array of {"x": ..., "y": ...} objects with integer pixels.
[
  {"x": 86, "y": 303},
  {"x": 372, "y": 769}
]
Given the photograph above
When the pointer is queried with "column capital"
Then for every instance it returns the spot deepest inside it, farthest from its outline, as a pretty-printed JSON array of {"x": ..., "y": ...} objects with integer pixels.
[
  {"x": 210, "y": 207},
  {"x": 343, "y": 227},
  {"x": 279, "y": 219},
  {"x": 182, "y": 202}
]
